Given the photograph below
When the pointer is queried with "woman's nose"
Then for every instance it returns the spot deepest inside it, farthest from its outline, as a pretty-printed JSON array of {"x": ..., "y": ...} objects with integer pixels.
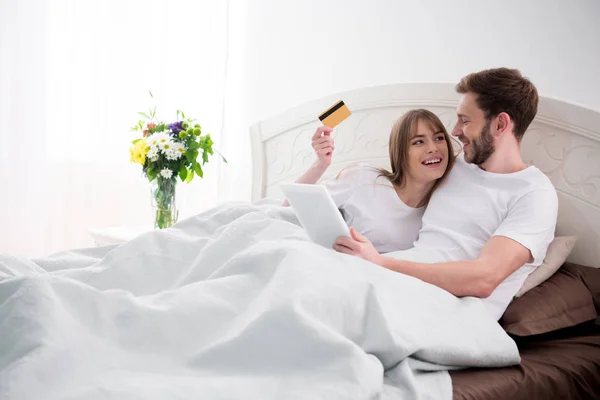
[{"x": 431, "y": 147}]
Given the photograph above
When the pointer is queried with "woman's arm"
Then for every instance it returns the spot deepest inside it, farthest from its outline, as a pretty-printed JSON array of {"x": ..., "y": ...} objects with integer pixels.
[
  {"x": 313, "y": 173},
  {"x": 322, "y": 144}
]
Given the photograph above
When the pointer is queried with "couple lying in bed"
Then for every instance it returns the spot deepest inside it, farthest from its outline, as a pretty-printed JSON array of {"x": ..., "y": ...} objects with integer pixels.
[{"x": 476, "y": 224}]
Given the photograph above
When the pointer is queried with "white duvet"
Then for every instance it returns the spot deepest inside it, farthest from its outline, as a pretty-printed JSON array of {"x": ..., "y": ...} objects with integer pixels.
[{"x": 234, "y": 303}]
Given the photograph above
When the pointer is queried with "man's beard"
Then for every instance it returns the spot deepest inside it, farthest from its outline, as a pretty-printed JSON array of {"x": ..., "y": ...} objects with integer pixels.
[{"x": 482, "y": 147}]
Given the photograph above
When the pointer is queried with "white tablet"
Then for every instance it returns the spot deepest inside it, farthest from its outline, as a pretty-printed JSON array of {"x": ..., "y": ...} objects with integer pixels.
[{"x": 317, "y": 212}]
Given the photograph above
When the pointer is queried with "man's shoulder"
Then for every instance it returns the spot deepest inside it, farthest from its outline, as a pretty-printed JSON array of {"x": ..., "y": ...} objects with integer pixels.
[
  {"x": 461, "y": 167},
  {"x": 539, "y": 181},
  {"x": 539, "y": 194}
]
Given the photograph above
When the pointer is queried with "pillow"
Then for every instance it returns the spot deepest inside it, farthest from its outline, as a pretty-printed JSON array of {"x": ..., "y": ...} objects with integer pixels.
[
  {"x": 558, "y": 251},
  {"x": 563, "y": 300},
  {"x": 590, "y": 277}
]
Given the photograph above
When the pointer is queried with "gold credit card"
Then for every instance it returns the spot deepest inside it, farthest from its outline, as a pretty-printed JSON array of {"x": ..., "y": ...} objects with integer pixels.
[{"x": 335, "y": 114}]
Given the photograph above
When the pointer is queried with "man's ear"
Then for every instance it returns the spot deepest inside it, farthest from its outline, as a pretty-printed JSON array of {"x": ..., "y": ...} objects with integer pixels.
[{"x": 503, "y": 123}]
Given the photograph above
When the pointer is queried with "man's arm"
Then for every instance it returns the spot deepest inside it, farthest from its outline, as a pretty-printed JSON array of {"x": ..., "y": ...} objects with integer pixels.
[
  {"x": 523, "y": 237},
  {"x": 499, "y": 258}
]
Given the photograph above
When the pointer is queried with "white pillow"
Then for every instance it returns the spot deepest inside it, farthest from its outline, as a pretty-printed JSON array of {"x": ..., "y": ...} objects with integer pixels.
[{"x": 557, "y": 253}]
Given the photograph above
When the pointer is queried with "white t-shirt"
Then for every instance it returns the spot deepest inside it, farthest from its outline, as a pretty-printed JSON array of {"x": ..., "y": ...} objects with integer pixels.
[
  {"x": 473, "y": 205},
  {"x": 370, "y": 204}
]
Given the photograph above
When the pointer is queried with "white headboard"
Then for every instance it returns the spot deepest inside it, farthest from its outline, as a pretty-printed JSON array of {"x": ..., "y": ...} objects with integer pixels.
[{"x": 563, "y": 141}]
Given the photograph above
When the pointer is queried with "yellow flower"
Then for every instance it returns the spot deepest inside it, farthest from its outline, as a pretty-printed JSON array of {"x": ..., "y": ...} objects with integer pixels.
[{"x": 138, "y": 151}]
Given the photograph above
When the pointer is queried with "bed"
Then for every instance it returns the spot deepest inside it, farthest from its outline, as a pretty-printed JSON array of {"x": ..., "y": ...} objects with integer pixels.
[
  {"x": 563, "y": 142},
  {"x": 238, "y": 303}
]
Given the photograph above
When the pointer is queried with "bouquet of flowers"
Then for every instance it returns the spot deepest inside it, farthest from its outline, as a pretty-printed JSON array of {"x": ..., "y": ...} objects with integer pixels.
[{"x": 166, "y": 151}]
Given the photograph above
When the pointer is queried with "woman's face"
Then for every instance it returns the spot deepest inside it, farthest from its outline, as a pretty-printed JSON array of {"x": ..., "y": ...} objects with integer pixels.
[{"x": 427, "y": 153}]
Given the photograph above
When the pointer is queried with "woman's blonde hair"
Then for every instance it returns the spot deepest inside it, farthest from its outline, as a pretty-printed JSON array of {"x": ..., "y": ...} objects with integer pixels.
[{"x": 402, "y": 132}]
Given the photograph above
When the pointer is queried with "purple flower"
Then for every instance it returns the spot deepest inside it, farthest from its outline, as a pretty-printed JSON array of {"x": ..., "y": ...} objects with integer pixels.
[{"x": 176, "y": 127}]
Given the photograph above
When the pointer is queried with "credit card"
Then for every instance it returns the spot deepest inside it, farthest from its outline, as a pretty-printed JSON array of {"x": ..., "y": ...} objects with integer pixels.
[{"x": 335, "y": 114}]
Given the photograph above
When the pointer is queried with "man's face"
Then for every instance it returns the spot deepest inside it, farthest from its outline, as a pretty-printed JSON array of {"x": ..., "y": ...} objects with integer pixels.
[{"x": 473, "y": 130}]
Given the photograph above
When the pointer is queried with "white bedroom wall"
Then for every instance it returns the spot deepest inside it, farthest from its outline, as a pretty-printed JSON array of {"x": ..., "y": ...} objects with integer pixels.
[
  {"x": 69, "y": 91},
  {"x": 304, "y": 49}
]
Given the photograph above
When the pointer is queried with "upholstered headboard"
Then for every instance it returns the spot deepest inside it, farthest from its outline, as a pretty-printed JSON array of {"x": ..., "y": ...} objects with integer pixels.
[{"x": 563, "y": 142}]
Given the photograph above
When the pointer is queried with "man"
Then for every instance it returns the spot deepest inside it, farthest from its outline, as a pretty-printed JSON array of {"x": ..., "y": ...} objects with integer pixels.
[{"x": 494, "y": 213}]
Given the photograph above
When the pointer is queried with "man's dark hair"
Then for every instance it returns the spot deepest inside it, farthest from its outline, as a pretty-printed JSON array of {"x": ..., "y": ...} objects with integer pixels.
[{"x": 503, "y": 90}]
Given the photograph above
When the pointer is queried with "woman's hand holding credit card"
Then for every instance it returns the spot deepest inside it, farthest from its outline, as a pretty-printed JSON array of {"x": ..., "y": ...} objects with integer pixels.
[{"x": 322, "y": 142}]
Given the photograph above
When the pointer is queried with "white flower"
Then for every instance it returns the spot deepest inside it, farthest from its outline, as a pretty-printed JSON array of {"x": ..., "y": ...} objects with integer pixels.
[
  {"x": 171, "y": 154},
  {"x": 179, "y": 148},
  {"x": 166, "y": 173},
  {"x": 152, "y": 141},
  {"x": 163, "y": 140},
  {"x": 152, "y": 153},
  {"x": 175, "y": 151}
]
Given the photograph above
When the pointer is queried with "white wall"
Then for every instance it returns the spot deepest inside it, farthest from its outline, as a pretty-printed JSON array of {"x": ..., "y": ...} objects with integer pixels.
[
  {"x": 70, "y": 89},
  {"x": 304, "y": 49}
]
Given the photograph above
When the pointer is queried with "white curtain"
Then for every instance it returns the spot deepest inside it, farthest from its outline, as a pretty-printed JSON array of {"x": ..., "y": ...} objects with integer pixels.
[{"x": 73, "y": 76}]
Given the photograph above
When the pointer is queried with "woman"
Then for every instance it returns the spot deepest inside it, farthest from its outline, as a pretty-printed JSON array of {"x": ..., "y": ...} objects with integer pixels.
[{"x": 387, "y": 206}]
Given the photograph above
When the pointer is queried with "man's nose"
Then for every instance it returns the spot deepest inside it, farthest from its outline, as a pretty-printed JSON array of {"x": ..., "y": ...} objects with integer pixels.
[{"x": 456, "y": 131}]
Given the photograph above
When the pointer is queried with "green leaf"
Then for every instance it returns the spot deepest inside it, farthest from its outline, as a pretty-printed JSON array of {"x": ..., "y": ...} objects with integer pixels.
[
  {"x": 204, "y": 157},
  {"x": 183, "y": 174},
  {"x": 143, "y": 114},
  {"x": 189, "y": 155},
  {"x": 190, "y": 176},
  {"x": 194, "y": 156},
  {"x": 136, "y": 140},
  {"x": 198, "y": 169},
  {"x": 151, "y": 172}
]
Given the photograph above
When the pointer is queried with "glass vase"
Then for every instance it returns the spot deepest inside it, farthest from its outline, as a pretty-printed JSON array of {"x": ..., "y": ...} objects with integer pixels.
[{"x": 164, "y": 202}]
